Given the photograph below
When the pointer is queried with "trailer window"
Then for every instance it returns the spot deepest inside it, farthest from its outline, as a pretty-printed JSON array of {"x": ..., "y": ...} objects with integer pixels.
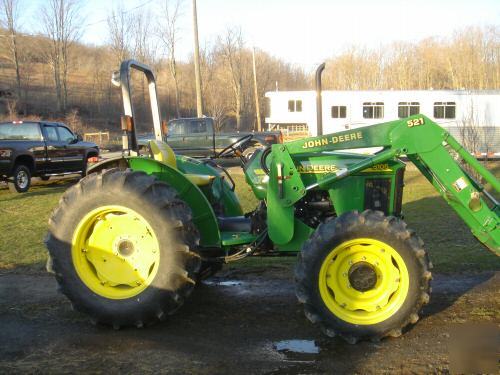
[
  {"x": 444, "y": 109},
  {"x": 23, "y": 131},
  {"x": 373, "y": 110},
  {"x": 406, "y": 109},
  {"x": 295, "y": 106},
  {"x": 339, "y": 111}
]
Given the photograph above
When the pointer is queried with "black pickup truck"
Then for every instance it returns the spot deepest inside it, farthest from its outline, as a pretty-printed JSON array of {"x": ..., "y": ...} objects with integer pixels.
[
  {"x": 42, "y": 149},
  {"x": 196, "y": 137}
]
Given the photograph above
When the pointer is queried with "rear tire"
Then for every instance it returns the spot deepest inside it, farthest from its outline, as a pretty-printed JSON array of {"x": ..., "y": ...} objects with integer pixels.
[
  {"x": 21, "y": 179},
  {"x": 363, "y": 276},
  {"x": 76, "y": 258}
]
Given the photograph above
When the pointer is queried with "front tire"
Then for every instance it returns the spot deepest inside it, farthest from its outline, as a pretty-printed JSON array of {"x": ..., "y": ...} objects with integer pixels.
[
  {"x": 363, "y": 276},
  {"x": 122, "y": 248},
  {"x": 21, "y": 179}
]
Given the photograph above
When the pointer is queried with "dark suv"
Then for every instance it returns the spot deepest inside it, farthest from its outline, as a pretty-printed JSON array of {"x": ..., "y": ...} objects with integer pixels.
[{"x": 43, "y": 149}]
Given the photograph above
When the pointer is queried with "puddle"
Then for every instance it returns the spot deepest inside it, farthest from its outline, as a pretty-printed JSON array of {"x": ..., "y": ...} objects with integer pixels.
[
  {"x": 297, "y": 346},
  {"x": 223, "y": 283}
]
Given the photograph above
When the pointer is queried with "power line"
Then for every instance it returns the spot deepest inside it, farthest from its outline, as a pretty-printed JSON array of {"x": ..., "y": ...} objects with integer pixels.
[{"x": 122, "y": 12}]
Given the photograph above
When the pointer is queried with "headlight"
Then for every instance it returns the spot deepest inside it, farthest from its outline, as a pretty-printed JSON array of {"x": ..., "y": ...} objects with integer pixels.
[{"x": 5, "y": 153}]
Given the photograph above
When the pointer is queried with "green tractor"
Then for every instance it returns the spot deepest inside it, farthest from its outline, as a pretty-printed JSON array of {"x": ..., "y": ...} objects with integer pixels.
[{"x": 130, "y": 241}]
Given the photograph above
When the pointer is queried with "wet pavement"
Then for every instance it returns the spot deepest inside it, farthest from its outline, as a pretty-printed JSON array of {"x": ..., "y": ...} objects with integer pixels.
[{"x": 241, "y": 322}]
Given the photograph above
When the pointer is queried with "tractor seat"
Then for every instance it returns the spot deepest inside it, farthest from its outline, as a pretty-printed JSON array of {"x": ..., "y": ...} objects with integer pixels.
[{"x": 163, "y": 153}]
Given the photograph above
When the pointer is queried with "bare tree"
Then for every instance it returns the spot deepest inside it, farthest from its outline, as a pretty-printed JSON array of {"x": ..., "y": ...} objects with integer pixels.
[
  {"x": 469, "y": 130},
  {"x": 231, "y": 45},
  {"x": 168, "y": 32},
  {"x": 9, "y": 18},
  {"x": 74, "y": 121},
  {"x": 215, "y": 89},
  {"x": 62, "y": 24},
  {"x": 143, "y": 48},
  {"x": 120, "y": 33},
  {"x": 12, "y": 109}
]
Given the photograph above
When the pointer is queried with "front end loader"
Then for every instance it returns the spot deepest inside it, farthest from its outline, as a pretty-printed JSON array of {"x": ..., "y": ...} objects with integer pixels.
[{"x": 129, "y": 242}]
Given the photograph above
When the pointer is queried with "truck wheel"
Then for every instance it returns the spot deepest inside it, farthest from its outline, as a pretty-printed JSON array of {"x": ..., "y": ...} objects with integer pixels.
[
  {"x": 21, "y": 179},
  {"x": 363, "y": 276},
  {"x": 122, "y": 246},
  {"x": 83, "y": 173}
]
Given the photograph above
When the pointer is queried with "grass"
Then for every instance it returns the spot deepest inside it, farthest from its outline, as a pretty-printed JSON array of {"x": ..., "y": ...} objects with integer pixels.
[
  {"x": 452, "y": 248},
  {"x": 23, "y": 224}
]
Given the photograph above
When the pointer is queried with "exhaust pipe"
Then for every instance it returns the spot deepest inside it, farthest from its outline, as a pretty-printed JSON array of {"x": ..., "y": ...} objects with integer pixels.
[{"x": 319, "y": 103}]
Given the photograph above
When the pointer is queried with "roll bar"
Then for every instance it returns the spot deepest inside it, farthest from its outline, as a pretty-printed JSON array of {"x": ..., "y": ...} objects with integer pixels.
[{"x": 122, "y": 79}]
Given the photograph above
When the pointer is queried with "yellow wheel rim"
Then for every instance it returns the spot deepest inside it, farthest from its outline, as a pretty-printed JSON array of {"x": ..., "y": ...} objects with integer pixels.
[
  {"x": 363, "y": 281},
  {"x": 115, "y": 252}
]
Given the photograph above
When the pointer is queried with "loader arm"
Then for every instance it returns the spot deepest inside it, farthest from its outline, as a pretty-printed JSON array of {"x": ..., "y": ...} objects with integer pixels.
[{"x": 423, "y": 141}]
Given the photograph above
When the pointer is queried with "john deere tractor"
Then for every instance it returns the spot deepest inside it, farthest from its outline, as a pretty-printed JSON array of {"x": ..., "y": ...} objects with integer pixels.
[{"x": 130, "y": 241}]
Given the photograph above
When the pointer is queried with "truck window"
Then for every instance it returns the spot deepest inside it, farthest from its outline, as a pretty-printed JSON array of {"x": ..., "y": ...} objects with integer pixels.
[
  {"x": 197, "y": 127},
  {"x": 176, "y": 128},
  {"x": 51, "y": 133},
  {"x": 64, "y": 134},
  {"x": 24, "y": 131}
]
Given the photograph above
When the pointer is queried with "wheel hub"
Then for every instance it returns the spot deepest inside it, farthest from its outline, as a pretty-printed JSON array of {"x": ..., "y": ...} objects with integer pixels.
[
  {"x": 116, "y": 252},
  {"x": 22, "y": 179},
  {"x": 362, "y": 276},
  {"x": 126, "y": 247},
  {"x": 363, "y": 281}
]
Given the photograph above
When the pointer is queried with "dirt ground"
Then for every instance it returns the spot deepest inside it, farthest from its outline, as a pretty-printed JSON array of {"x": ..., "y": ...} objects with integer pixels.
[{"x": 240, "y": 322}]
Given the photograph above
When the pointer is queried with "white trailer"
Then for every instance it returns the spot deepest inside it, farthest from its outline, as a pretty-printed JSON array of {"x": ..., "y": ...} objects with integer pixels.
[{"x": 473, "y": 117}]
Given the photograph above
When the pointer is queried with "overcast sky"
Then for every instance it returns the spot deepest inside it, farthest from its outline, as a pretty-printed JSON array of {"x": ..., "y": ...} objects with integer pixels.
[{"x": 305, "y": 32}]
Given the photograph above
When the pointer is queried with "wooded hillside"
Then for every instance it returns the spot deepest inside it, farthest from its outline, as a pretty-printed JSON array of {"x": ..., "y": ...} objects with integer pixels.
[{"x": 53, "y": 75}]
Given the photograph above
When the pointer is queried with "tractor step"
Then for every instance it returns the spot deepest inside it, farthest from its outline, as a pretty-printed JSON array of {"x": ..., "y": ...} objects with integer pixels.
[
  {"x": 235, "y": 224},
  {"x": 237, "y": 238}
]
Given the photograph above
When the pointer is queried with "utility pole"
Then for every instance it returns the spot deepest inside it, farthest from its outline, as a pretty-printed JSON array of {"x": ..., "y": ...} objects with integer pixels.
[
  {"x": 197, "y": 73},
  {"x": 256, "y": 93}
]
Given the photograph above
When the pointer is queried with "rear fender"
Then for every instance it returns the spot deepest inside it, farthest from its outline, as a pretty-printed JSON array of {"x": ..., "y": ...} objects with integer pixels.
[
  {"x": 203, "y": 215},
  {"x": 117, "y": 162}
]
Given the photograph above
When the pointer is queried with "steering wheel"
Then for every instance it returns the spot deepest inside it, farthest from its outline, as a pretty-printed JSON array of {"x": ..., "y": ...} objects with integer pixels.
[
  {"x": 234, "y": 147},
  {"x": 263, "y": 158}
]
